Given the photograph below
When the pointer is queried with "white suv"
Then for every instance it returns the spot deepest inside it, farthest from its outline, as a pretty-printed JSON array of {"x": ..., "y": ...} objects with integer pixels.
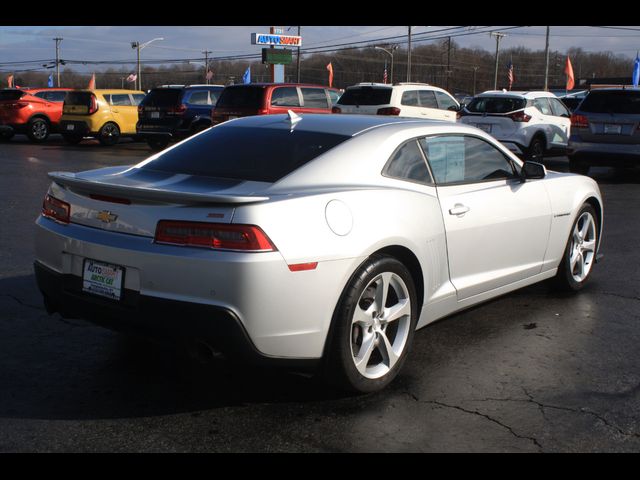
[
  {"x": 530, "y": 124},
  {"x": 418, "y": 100}
]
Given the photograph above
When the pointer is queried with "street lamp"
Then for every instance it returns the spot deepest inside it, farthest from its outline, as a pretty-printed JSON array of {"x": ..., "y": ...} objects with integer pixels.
[
  {"x": 390, "y": 53},
  {"x": 139, "y": 46}
]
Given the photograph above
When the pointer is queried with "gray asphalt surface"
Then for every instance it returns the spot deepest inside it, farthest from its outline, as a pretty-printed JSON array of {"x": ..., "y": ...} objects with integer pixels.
[{"x": 533, "y": 371}]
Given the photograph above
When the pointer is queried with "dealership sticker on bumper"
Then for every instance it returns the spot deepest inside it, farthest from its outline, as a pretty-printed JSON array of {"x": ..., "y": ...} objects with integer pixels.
[{"x": 102, "y": 279}]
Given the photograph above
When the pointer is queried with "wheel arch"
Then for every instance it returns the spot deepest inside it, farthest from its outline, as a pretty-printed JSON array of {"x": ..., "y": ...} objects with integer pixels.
[
  {"x": 38, "y": 115},
  {"x": 595, "y": 203},
  {"x": 542, "y": 136}
]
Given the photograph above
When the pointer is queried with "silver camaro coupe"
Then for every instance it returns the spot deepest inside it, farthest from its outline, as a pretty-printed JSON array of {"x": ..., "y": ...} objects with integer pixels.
[{"x": 315, "y": 241}]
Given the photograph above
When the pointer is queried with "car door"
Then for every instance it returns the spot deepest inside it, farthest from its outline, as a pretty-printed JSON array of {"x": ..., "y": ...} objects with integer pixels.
[
  {"x": 284, "y": 99},
  {"x": 429, "y": 106},
  {"x": 410, "y": 105},
  {"x": 562, "y": 120},
  {"x": 556, "y": 128},
  {"x": 315, "y": 100},
  {"x": 447, "y": 105},
  {"x": 124, "y": 112},
  {"x": 497, "y": 227}
]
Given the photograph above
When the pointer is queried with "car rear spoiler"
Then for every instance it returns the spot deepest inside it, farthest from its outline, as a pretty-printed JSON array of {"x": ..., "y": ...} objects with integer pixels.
[{"x": 71, "y": 180}]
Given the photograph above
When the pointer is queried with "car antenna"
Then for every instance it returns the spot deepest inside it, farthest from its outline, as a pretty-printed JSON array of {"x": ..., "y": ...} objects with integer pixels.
[{"x": 292, "y": 118}]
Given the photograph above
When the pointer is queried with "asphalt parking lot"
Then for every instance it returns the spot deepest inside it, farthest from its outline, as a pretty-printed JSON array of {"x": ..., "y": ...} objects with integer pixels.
[{"x": 532, "y": 371}]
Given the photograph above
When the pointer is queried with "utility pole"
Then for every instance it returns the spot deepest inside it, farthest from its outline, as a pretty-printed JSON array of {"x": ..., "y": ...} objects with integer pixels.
[
  {"x": 298, "y": 60},
  {"x": 475, "y": 69},
  {"x": 206, "y": 65},
  {"x": 546, "y": 62},
  {"x": 58, "y": 40},
  {"x": 448, "y": 62},
  {"x": 409, "y": 57},
  {"x": 499, "y": 36}
]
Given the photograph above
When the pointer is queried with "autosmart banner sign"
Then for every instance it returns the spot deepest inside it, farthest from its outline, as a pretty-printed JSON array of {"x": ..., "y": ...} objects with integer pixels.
[{"x": 275, "y": 39}]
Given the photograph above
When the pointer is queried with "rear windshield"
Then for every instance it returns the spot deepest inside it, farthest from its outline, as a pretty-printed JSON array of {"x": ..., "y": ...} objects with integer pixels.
[
  {"x": 162, "y": 97},
  {"x": 241, "y": 97},
  {"x": 245, "y": 153},
  {"x": 496, "y": 104},
  {"x": 10, "y": 95},
  {"x": 78, "y": 98},
  {"x": 623, "y": 101},
  {"x": 365, "y": 96}
]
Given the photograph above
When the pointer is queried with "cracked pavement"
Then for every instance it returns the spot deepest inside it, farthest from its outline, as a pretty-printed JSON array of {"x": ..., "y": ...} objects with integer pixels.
[{"x": 533, "y": 371}]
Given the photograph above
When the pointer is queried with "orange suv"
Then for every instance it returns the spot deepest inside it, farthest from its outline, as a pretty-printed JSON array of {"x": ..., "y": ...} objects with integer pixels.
[
  {"x": 268, "y": 98},
  {"x": 35, "y": 112}
]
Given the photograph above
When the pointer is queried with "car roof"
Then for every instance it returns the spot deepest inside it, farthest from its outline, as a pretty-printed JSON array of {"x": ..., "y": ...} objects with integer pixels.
[
  {"x": 516, "y": 93},
  {"x": 267, "y": 84}
]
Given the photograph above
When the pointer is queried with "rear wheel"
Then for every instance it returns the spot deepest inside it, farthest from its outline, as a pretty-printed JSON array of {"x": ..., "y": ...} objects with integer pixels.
[
  {"x": 580, "y": 252},
  {"x": 38, "y": 129},
  {"x": 109, "y": 134},
  {"x": 373, "y": 326},
  {"x": 157, "y": 143},
  {"x": 535, "y": 152}
]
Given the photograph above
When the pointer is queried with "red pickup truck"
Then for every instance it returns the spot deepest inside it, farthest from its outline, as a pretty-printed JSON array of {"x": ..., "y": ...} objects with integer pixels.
[{"x": 35, "y": 112}]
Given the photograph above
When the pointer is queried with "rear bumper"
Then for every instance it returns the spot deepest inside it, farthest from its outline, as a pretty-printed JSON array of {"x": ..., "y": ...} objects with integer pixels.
[
  {"x": 74, "y": 127},
  {"x": 167, "y": 320},
  {"x": 606, "y": 154}
]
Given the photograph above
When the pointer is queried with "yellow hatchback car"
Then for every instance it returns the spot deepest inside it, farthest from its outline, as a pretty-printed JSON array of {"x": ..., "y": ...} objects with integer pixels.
[{"x": 103, "y": 114}]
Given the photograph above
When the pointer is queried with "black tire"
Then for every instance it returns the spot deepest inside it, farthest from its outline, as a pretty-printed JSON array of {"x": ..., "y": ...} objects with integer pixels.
[
  {"x": 565, "y": 280},
  {"x": 109, "y": 134},
  {"x": 339, "y": 368},
  {"x": 6, "y": 136},
  {"x": 38, "y": 129},
  {"x": 157, "y": 143},
  {"x": 576, "y": 165},
  {"x": 535, "y": 152},
  {"x": 72, "y": 139}
]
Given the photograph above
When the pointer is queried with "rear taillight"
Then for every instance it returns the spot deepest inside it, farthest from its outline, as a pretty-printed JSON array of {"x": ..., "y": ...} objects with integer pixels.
[
  {"x": 336, "y": 110},
  {"x": 93, "y": 107},
  {"x": 179, "y": 110},
  {"x": 249, "y": 238},
  {"x": 56, "y": 209},
  {"x": 519, "y": 116},
  {"x": 388, "y": 111},
  {"x": 579, "y": 121},
  {"x": 18, "y": 105}
]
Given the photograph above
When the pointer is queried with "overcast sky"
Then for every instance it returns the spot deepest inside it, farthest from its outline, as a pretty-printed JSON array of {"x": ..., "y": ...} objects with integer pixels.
[{"x": 105, "y": 43}]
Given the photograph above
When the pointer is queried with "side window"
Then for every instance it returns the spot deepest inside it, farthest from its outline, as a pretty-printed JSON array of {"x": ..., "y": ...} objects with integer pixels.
[
  {"x": 56, "y": 96},
  {"x": 314, "y": 98},
  {"x": 199, "y": 97},
  {"x": 428, "y": 99},
  {"x": 445, "y": 102},
  {"x": 407, "y": 163},
  {"x": 542, "y": 104},
  {"x": 41, "y": 94},
  {"x": 213, "y": 96},
  {"x": 137, "y": 98},
  {"x": 107, "y": 98},
  {"x": 410, "y": 98},
  {"x": 558, "y": 108},
  {"x": 285, "y": 97},
  {"x": 465, "y": 159},
  {"x": 120, "y": 99}
]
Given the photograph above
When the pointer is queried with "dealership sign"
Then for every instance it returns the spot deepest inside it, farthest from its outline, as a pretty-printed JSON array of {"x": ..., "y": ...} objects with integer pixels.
[{"x": 275, "y": 39}]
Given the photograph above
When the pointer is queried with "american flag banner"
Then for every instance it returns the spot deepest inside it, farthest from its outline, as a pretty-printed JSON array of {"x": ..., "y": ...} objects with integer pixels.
[
  {"x": 510, "y": 75},
  {"x": 384, "y": 77},
  {"x": 132, "y": 78}
]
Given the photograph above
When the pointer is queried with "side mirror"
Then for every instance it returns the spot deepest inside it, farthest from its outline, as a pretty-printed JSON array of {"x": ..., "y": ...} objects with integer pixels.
[
  {"x": 532, "y": 171},
  {"x": 455, "y": 108}
]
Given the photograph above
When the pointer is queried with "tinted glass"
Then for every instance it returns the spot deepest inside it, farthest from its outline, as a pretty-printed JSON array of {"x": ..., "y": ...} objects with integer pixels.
[
  {"x": 162, "y": 97},
  {"x": 623, "y": 101},
  {"x": 40, "y": 94},
  {"x": 463, "y": 159},
  {"x": 428, "y": 99},
  {"x": 410, "y": 98},
  {"x": 199, "y": 97},
  {"x": 285, "y": 97},
  {"x": 365, "y": 96},
  {"x": 245, "y": 153},
  {"x": 137, "y": 98},
  {"x": 314, "y": 98},
  {"x": 241, "y": 97},
  {"x": 78, "y": 98},
  {"x": 496, "y": 104},
  {"x": 10, "y": 94},
  {"x": 56, "y": 96},
  {"x": 214, "y": 95},
  {"x": 120, "y": 99},
  {"x": 558, "y": 107},
  {"x": 445, "y": 102},
  {"x": 407, "y": 163}
]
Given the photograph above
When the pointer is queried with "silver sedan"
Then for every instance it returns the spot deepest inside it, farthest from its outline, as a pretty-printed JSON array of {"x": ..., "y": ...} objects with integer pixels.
[{"x": 312, "y": 242}]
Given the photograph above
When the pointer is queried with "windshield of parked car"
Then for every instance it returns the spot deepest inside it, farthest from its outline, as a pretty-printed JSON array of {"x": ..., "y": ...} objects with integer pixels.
[
  {"x": 245, "y": 153},
  {"x": 621, "y": 101},
  {"x": 241, "y": 97},
  {"x": 366, "y": 96},
  {"x": 496, "y": 104},
  {"x": 162, "y": 97},
  {"x": 10, "y": 95}
]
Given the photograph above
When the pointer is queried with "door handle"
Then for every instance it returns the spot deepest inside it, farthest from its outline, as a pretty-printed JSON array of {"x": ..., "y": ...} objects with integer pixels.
[{"x": 458, "y": 209}]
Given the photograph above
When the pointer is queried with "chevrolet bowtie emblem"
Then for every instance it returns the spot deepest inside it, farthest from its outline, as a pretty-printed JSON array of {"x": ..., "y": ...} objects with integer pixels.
[{"x": 106, "y": 216}]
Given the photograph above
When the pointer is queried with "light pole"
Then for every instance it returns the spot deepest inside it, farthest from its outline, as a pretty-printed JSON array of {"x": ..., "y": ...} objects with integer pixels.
[
  {"x": 58, "y": 40},
  {"x": 499, "y": 36},
  {"x": 409, "y": 55},
  {"x": 139, "y": 46},
  {"x": 390, "y": 53}
]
